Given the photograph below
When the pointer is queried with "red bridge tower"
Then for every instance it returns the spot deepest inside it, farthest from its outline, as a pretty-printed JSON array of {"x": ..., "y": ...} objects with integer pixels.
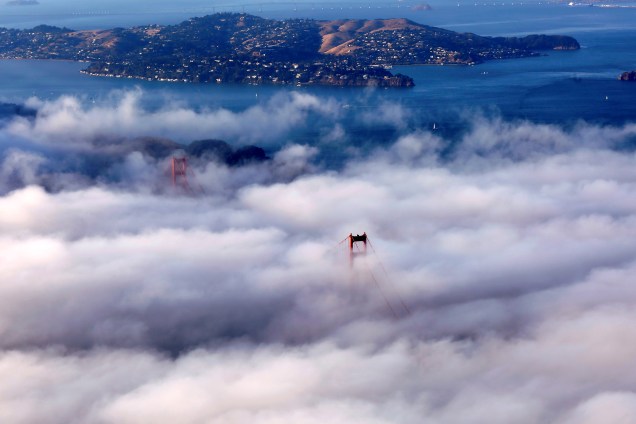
[{"x": 352, "y": 243}]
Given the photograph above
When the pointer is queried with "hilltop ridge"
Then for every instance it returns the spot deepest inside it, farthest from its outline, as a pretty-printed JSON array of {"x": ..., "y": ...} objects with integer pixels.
[{"x": 336, "y": 34}]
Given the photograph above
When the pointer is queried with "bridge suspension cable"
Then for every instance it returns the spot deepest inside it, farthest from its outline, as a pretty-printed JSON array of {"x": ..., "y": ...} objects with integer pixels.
[{"x": 354, "y": 242}]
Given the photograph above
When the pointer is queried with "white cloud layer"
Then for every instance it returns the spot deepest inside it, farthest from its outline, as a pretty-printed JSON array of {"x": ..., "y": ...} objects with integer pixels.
[
  {"x": 68, "y": 121},
  {"x": 514, "y": 256}
]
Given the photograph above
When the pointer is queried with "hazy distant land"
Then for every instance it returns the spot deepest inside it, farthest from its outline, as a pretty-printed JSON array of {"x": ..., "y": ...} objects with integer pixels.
[
  {"x": 242, "y": 48},
  {"x": 601, "y": 3},
  {"x": 23, "y": 2}
]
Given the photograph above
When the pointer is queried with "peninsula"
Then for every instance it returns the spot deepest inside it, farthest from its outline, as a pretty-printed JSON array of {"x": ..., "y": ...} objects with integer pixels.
[{"x": 242, "y": 48}]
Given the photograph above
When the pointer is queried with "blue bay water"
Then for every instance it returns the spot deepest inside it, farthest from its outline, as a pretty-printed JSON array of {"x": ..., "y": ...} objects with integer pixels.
[{"x": 560, "y": 87}]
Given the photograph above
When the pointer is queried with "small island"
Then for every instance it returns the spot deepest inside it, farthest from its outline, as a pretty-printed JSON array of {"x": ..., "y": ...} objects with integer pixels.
[
  {"x": 242, "y": 48},
  {"x": 627, "y": 76}
]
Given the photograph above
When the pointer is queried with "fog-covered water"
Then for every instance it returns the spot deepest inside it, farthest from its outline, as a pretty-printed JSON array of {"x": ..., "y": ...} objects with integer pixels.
[{"x": 499, "y": 199}]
